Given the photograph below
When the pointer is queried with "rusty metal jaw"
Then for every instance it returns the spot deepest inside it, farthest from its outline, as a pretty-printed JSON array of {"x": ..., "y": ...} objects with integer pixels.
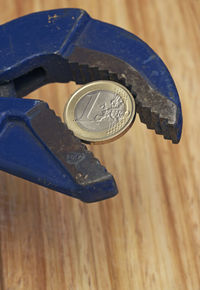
[{"x": 37, "y": 146}]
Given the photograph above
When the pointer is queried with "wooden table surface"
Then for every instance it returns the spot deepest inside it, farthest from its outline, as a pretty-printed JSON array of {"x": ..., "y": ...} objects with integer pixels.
[{"x": 148, "y": 237}]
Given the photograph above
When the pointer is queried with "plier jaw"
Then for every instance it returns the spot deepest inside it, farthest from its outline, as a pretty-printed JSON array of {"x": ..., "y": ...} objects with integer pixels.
[
  {"x": 67, "y": 45},
  {"x": 37, "y": 146}
]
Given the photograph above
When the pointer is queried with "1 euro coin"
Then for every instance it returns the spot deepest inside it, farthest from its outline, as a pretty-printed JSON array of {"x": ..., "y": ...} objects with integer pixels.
[{"x": 100, "y": 111}]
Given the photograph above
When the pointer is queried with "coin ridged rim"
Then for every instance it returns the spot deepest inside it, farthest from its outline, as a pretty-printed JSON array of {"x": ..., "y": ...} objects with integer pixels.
[{"x": 105, "y": 135}]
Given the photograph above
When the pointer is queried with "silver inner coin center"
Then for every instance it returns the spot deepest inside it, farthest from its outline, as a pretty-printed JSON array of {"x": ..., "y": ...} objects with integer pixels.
[{"x": 99, "y": 110}]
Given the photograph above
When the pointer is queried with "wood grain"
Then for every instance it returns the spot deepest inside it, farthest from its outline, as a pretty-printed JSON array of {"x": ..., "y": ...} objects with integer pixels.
[{"x": 148, "y": 237}]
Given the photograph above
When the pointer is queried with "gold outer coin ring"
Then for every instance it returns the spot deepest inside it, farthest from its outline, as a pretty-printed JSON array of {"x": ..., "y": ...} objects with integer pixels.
[{"x": 118, "y": 129}]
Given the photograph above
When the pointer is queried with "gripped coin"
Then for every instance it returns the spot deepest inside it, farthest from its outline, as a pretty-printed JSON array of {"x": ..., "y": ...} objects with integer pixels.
[{"x": 100, "y": 111}]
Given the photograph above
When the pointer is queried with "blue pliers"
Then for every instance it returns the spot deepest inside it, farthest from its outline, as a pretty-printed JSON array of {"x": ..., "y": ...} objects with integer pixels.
[{"x": 68, "y": 45}]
